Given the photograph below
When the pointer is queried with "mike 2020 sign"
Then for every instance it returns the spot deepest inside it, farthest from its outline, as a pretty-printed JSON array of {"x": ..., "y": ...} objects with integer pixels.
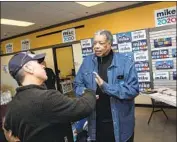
[{"x": 68, "y": 35}]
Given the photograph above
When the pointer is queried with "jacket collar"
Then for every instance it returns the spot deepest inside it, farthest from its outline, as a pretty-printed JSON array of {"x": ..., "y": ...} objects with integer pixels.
[
  {"x": 22, "y": 88},
  {"x": 114, "y": 60}
]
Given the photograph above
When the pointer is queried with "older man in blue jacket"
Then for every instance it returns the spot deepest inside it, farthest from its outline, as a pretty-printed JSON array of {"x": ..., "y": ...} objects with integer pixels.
[{"x": 114, "y": 79}]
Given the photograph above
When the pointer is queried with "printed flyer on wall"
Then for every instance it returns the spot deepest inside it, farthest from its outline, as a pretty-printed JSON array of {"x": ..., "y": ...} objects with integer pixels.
[
  {"x": 9, "y": 47},
  {"x": 161, "y": 75},
  {"x": 124, "y": 37},
  {"x": 125, "y": 47},
  {"x": 25, "y": 44},
  {"x": 160, "y": 54},
  {"x": 87, "y": 48},
  {"x": 163, "y": 42},
  {"x": 141, "y": 56},
  {"x": 138, "y": 35},
  {"x": 166, "y": 16},
  {"x": 139, "y": 45},
  {"x": 142, "y": 66},
  {"x": 167, "y": 64},
  {"x": 144, "y": 77}
]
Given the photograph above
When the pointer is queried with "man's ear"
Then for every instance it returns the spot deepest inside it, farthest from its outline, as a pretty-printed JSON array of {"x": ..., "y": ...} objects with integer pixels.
[{"x": 28, "y": 68}]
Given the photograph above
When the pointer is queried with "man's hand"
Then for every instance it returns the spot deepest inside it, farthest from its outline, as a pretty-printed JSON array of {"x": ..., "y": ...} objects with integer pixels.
[
  {"x": 98, "y": 79},
  {"x": 8, "y": 135}
]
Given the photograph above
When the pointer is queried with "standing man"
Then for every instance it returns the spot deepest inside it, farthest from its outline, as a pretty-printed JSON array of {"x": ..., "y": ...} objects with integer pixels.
[
  {"x": 51, "y": 78},
  {"x": 37, "y": 114},
  {"x": 114, "y": 78}
]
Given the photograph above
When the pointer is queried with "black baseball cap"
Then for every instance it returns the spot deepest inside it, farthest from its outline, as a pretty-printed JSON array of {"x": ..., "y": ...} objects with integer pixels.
[{"x": 20, "y": 59}]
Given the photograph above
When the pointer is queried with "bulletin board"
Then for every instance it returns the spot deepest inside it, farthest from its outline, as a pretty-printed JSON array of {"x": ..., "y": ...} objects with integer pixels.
[{"x": 163, "y": 53}]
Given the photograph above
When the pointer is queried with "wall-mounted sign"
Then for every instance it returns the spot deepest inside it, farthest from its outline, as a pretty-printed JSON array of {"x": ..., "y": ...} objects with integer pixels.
[
  {"x": 25, "y": 44},
  {"x": 161, "y": 75},
  {"x": 138, "y": 35},
  {"x": 174, "y": 52},
  {"x": 174, "y": 75},
  {"x": 114, "y": 39},
  {"x": 139, "y": 45},
  {"x": 125, "y": 47},
  {"x": 162, "y": 42},
  {"x": 9, "y": 47},
  {"x": 86, "y": 43},
  {"x": 160, "y": 54},
  {"x": 87, "y": 48},
  {"x": 167, "y": 64},
  {"x": 141, "y": 56},
  {"x": 142, "y": 66},
  {"x": 68, "y": 35},
  {"x": 166, "y": 16},
  {"x": 144, "y": 77},
  {"x": 124, "y": 37}
]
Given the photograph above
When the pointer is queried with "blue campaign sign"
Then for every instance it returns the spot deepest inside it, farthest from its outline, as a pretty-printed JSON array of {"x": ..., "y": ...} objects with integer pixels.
[
  {"x": 174, "y": 52},
  {"x": 167, "y": 64},
  {"x": 162, "y": 42},
  {"x": 124, "y": 37},
  {"x": 139, "y": 45},
  {"x": 160, "y": 54},
  {"x": 142, "y": 66}
]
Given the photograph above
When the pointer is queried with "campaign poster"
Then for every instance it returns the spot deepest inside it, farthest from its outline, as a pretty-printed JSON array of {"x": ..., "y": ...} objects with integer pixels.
[
  {"x": 139, "y": 35},
  {"x": 141, "y": 56},
  {"x": 160, "y": 54},
  {"x": 167, "y": 64},
  {"x": 165, "y": 16},
  {"x": 68, "y": 35},
  {"x": 86, "y": 46},
  {"x": 9, "y": 47},
  {"x": 142, "y": 66},
  {"x": 162, "y": 42},
  {"x": 174, "y": 52},
  {"x": 125, "y": 47},
  {"x": 144, "y": 77},
  {"x": 139, "y": 45},
  {"x": 161, "y": 76},
  {"x": 25, "y": 44},
  {"x": 174, "y": 75},
  {"x": 143, "y": 86},
  {"x": 124, "y": 37}
]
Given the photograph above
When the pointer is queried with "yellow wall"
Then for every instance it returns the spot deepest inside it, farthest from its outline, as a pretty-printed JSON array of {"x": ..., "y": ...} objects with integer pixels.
[{"x": 127, "y": 20}]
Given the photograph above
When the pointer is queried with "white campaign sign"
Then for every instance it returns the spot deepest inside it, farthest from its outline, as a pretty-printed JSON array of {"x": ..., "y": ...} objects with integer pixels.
[
  {"x": 166, "y": 16},
  {"x": 161, "y": 75},
  {"x": 138, "y": 35},
  {"x": 114, "y": 39},
  {"x": 141, "y": 56},
  {"x": 25, "y": 44},
  {"x": 144, "y": 77},
  {"x": 86, "y": 43},
  {"x": 9, "y": 48},
  {"x": 68, "y": 35},
  {"x": 125, "y": 47}
]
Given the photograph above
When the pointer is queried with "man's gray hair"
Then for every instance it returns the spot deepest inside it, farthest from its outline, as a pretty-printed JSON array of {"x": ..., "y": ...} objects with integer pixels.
[
  {"x": 107, "y": 33},
  {"x": 19, "y": 77}
]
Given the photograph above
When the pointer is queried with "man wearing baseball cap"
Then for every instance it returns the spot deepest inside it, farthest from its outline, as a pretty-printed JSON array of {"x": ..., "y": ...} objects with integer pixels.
[{"x": 36, "y": 114}]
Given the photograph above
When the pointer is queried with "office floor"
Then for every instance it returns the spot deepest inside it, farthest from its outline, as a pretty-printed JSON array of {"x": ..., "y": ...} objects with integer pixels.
[{"x": 159, "y": 130}]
